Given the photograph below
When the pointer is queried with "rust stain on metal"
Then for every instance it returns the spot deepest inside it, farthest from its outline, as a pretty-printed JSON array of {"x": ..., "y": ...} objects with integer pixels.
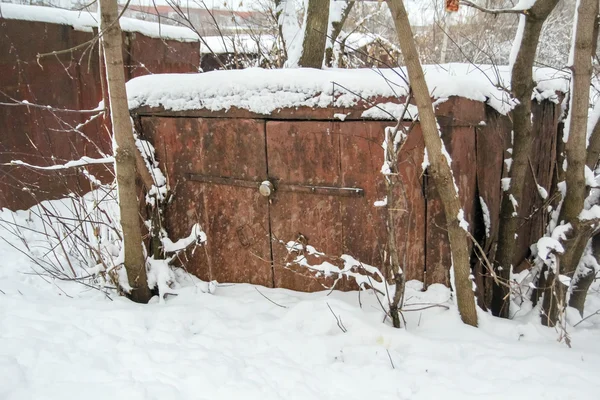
[
  {"x": 543, "y": 160},
  {"x": 235, "y": 218},
  {"x": 70, "y": 81},
  {"x": 492, "y": 138},
  {"x": 303, "y": 153},
  {"x": 313, "y": 160},
  {"x": 364, "y": 224}
]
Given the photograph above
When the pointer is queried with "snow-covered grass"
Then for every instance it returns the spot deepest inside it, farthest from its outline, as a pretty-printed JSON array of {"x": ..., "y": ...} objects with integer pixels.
[{"x": 62, "y": 340}]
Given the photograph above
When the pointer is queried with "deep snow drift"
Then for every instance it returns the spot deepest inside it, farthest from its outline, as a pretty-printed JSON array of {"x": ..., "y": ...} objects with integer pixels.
[{"x": 61, "y": 340}]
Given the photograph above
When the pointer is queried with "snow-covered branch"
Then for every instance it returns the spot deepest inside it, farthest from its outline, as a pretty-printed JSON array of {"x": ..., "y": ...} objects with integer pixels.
[{"x": 82, "y": 162}]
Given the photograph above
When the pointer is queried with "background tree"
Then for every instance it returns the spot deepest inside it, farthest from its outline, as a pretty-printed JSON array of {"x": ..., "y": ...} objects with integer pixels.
[
  {"x": 338, "y": 14},
  {"x": 315, "y": 34}
]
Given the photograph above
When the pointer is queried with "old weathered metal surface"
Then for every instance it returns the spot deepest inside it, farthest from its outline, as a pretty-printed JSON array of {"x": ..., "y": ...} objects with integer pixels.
[
  {"x": 365, "y": 232},
  {"x": 321, "y": 190},
  {"x": 541, "y": 169},
  {"x": 492, "y": 138},
  {"x": 307, "y": 152},
  {"x": 459, "y": 111},
  {"x": 234, "y": 218},
  {"x": 147, "y": 56},
  {"x": 224, "y": 180},
  {"x": 336, "y": 155},
  {"x": 70, "y": 81},
  {"x": 37, "y": 136},
  {"x": 461, "y": 145},
  {"x": 456, "y": 111},
  {"x": 321, "y": 153},
  {"x": 269, "y": 187},
  {"x": 303, "y": 153}
]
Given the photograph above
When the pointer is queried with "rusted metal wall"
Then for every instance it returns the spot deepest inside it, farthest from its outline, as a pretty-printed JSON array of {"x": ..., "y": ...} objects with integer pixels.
[
  {"x": 68, "y": 81},
  {"x": 215, "y": 161}
]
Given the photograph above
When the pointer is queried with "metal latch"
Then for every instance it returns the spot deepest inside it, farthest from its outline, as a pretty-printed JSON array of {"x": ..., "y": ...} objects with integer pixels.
[{"x": 267, "y": 188}]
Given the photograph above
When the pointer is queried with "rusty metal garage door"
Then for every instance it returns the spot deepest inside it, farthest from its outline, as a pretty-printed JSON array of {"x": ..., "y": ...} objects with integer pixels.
[{"x": 255, "y": 185}]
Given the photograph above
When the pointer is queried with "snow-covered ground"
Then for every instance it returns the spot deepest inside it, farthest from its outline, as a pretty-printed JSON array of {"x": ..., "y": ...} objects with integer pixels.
[{"x": 61, "y": 340}]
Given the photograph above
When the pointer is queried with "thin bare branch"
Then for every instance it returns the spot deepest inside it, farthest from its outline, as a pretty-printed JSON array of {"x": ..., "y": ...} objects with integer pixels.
[{"x": 492, "y": 11}]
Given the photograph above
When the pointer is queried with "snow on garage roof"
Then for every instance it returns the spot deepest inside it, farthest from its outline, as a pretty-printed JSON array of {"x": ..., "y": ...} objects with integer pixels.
[
  {"x": 266, "y": 90},
  {"x": 86, "y": 21}
]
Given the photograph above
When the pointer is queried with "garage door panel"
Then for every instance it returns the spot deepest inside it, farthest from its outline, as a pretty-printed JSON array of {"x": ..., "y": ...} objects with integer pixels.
[
  {"x": 237, "y": 231},
  {"x": 234, "y": 218},
  {"x": 318, "y": 219},
  {"x": 303, "y": 152},
  {"x": 365, "y": 233}
]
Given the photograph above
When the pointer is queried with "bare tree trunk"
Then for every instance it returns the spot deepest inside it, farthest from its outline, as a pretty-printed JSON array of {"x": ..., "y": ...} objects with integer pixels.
[
  {"x": 576, "y": 144},
  {"x": 439, "y": 165},
  {"x": 593, "y": 150},
  {"x": 521, "y": 86},
  {"x": 393, "y": 266},
  {"x": 125, "y": 152},
  {"x": 315, "y": 34},
  {"x": 336, "y": 29},
  {"x": 282, "y": 57},
  {"x": 552, "y": 304},
  {"x": 582, "y": 282},
  {"x": 573, "y": 203}
]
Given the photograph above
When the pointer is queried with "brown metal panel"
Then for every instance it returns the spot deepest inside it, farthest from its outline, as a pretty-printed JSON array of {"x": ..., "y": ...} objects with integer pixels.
[
  {"x": 460, "y": 111},
  {"x": 234, "y": 218},
  {"x": 492, "y": 140},
  {"x": 456, "y": 111},
  {"x": 72, "y": 81},
  {"x": 37, "y": 136},
  {"x": 364, "y": 224},
  {"x": 304, "y": 153},
  {"x": 153, "y": 56},
  {"x": 461, "y": 145},
  {"x": 543, "y": 161}
]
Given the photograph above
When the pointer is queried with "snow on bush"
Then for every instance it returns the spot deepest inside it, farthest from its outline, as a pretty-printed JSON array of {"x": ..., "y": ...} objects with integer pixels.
[
  {"x": 548, "y": 247},
  {"x": 79, "y": 239}
]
